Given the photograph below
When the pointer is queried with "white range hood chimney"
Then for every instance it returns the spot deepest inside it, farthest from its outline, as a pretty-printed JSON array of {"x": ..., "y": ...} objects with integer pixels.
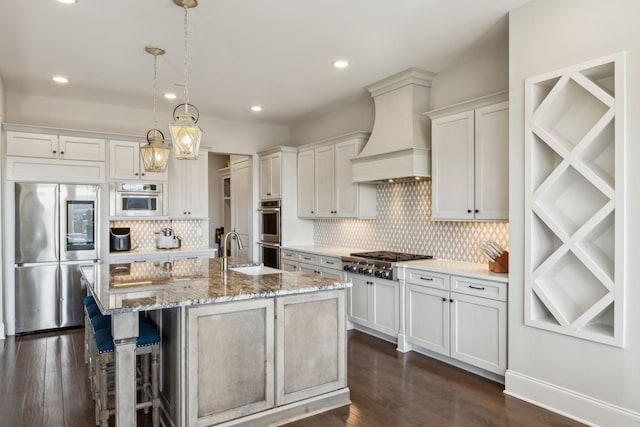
[{"x": 400, "y": 142}]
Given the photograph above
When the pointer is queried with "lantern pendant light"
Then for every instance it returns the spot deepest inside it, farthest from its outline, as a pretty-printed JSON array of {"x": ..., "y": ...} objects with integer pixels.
[
  {"x": 155, "y": 155},
  {"x": 185, "y": 133}
]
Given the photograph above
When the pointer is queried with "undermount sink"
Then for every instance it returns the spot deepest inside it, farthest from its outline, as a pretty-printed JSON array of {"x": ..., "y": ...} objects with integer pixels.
[{"x": 255, "y": 270}]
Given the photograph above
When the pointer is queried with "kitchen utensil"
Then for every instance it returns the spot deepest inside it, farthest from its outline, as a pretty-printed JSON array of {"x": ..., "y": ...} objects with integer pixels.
[{"x": 488, "y": 250}]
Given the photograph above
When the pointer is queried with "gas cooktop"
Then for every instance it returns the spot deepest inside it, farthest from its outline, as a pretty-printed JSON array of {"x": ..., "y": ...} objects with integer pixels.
[
  {"x": 378, "y": 263},
  {"x": 390, "y": 256}
]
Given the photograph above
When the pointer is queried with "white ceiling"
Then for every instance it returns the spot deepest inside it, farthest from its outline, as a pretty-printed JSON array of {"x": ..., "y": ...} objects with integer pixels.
[{"x": 274, "y": 53}]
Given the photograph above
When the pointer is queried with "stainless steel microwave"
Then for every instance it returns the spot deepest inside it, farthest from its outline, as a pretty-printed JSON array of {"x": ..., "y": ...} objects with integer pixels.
[{"x": 138, "y": 199}]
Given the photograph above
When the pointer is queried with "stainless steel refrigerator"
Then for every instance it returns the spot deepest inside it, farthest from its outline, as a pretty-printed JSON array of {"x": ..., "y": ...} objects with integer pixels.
[{"x": 56, "y": 232}]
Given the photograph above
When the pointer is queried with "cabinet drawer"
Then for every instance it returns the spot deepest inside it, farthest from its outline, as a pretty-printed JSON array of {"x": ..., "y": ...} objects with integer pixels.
[
  {"x": 482, "y": 288},
  {"x": 308, "y": 258},
  {"x": 289, "y": 255},
  {"x": 428, "y": 278},
  {"x": 333, "y": 263}
]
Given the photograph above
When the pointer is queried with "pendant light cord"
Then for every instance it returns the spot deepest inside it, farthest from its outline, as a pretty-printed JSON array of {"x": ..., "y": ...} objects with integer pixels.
[
  {"x": 155, "y": 95},
  {"x": 186, "y": 63}
]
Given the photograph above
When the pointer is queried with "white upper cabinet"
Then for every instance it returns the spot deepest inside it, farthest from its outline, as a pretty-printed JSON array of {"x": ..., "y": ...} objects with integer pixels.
[
  {"x": 306, "y": 184},
  {"x": 43, "y": 157},
  {"x": 48, "y": 146},
  {"x": 325, "y": 181},
  {"x": 189, "y": 188},
  {"x": 271, "y": 176},
  {"x": 325, "y": 187},
  {"x": 470, "y": 152},
  {"x": 125, "y": 163}
]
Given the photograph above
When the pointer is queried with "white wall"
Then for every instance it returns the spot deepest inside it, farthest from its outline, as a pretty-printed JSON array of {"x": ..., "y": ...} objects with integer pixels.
[
  {"x": 351, "y": 116},
  {"x": 595, "y": 382},
  {"x": 2, "y": 110},
  {"x": 482, "y": 70},
  {"x": 224, "y": 136}
]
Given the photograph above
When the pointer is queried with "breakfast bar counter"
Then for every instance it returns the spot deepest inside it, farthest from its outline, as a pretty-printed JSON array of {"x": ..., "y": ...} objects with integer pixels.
[{"x": 246, "y": 346}]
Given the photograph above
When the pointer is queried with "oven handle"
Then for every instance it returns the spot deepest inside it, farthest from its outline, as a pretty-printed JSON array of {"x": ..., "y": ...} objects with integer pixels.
[
  {"x": 269, "y": 245},
  {"x": 269, "y": 210}
]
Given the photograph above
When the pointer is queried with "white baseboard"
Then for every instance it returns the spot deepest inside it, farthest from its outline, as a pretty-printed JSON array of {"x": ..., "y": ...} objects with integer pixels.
[{"x": 568, "y": 403}]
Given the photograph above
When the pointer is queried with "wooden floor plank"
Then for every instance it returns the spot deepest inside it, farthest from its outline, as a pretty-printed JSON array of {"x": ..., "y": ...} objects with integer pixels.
[{"x": 43, "y": 372}]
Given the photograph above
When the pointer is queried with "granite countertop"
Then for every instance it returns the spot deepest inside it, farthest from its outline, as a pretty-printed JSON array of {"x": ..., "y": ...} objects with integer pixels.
[
  {"x": 140, "y": 251},
  {"x": 335, "y": 251},
  {"x": 151, "y": 285}
]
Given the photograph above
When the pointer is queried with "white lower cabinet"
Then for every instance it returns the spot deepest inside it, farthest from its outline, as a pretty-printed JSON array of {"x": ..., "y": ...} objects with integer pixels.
[
  {"x": 309, "y": 263},
  {"x": 458, "y": 317},
  {"x": 374, "y": 303}
]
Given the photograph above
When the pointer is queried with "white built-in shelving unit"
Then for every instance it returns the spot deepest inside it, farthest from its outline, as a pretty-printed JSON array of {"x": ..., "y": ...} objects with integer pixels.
[{"x": 574, "y": 200}]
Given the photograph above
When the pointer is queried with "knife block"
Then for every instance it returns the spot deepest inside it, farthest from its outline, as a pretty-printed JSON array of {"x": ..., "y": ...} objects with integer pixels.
[{"x": 501, "y": 265}]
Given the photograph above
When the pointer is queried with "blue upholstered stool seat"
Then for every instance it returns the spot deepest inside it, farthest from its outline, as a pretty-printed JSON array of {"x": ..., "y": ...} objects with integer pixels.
[
  {"x": 88, "y": 300},
  {"x": 147, "y": 335}
]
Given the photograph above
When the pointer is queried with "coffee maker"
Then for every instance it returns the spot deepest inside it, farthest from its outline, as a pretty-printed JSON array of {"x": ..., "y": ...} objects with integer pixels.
[{"x": 119, "y": 239}]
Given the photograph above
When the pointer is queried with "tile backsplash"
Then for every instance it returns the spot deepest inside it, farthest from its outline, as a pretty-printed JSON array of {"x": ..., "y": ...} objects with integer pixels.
[
  {"x": 192, "y": 233},
  {"x": 404, "y": 225}
]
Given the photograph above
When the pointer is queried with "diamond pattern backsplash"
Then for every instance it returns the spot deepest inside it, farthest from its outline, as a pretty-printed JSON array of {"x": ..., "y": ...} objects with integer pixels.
[
  {"x": 404, "y": 225},
  {"x": 191, "y": 232}
]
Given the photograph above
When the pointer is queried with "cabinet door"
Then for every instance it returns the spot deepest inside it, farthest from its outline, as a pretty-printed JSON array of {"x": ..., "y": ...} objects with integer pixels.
[
  {"x": 479, "y": 332},
  {"x": 306, "y": 184},
  {"x": 427, "y": 318},
  {"x": 124, "y": 160},
  {"x": 32, "y": 145},
  {"x": 386, "y": 306},
  {"x": 177, "y": 195},
  {"x": 265, "y": 177},
  {"x": 125, "y": 163},
  {"x": 307, "y": 268},
  {"x": 78, "y": 148},
  {"x": 197, "y": 186},
  {"x": 270, "y": 176},
  {"x": 225, "y": 380},
  {"x": 287, "y": 265},
  {"x": 453, "y": 167},
  {"x": 360, "y": 306},
  {"x": 492, "y": 162},
  {"x": 310, "y": 342},
  {"x": 325, "y": 181},
  {"x": 346, "y": 192},
  {"x": 241, "y": 206}
]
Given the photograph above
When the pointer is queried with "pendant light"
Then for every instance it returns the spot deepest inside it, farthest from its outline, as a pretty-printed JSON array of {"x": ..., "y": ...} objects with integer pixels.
[
  {"x": 155, "y": 155},
  {"x": 185, "y": 133}
]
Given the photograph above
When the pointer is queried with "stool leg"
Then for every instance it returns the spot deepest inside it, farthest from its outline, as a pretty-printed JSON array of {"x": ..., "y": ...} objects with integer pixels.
[
  {"x": 104, "y": 411},
  {"x": 145, "y": 394},
  {"x": 155, "y": 394}
]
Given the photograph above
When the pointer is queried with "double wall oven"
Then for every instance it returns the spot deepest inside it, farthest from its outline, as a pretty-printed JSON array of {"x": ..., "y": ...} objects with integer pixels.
[{"x": 270, "y": 236}]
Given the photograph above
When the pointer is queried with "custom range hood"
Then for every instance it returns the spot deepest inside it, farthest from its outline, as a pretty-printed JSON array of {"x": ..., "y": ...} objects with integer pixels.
[{"x": 400, "y": 143}]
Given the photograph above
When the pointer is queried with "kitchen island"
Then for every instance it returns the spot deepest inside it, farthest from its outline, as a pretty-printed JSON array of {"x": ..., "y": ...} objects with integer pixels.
[{"x": 243, "y": 347}]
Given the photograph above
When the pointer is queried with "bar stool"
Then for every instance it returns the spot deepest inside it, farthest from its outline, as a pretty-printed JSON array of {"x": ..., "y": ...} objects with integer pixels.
[{"x": 102, "y": 369}]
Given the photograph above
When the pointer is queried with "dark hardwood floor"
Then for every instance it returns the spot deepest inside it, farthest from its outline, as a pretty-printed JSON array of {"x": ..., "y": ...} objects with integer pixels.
[{"x": 43, "y": 382}]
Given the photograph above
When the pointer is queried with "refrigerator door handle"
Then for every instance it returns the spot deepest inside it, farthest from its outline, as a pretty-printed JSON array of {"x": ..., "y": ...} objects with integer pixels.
[{"x": 57, "y": 224}]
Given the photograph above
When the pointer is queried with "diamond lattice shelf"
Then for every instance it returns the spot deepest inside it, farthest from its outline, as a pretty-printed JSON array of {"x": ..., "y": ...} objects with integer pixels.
[{"x": 574, "y": 202}]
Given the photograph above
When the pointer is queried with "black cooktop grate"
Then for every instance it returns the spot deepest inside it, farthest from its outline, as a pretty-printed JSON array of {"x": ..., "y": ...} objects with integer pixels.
[{"x": 390, "y": 256}]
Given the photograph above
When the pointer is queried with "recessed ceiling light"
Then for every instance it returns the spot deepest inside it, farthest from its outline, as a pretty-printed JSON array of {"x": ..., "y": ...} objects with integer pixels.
[
  {"x": 256, "y": 108},
  {"x": 340, "y": 63},
  {"x": 67, "y": 1},
  {"x": 170, "y": 95},
  {"x": 60, "y": 79}
]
